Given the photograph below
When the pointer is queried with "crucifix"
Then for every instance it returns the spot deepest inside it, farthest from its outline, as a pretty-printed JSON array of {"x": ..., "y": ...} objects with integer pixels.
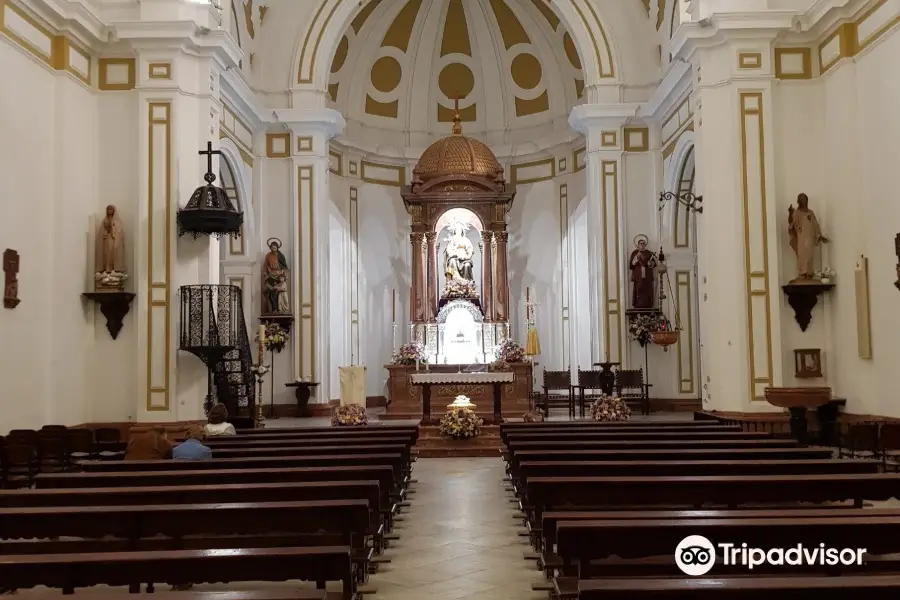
[
  {"x": 11, "y": 282},
  {"x": 210, "y": 176}
]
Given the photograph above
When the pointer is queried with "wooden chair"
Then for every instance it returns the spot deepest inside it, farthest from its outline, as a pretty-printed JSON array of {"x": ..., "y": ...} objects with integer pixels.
[
  {"x": 558, "y": 381},
  {"x": 80, "y": 444},
  {"x": 588, "y": 381},
  {"x": 21, "y": 465},
  {"x": 631, "y": 388},
  {"x": 52, "y": 451},
  {"x": 108, "y": 443},
  {"x": 890, "y": 445},
  {"x": 861, "y": 441}
]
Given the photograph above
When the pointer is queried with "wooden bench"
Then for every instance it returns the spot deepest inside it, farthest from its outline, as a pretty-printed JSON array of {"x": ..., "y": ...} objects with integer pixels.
[
  {"x": 370, "y": 491},
  {"x": 348, "y": 433},
  {"x": 363, "y": 430},
  {"x": 234, "y": 441},
  {"x": 733, "y": 454},
  {"x": 509, "y": 425},
  {"x": 554, "y": 493},
  {"x": 647, "y": 428},
  {"x": 359, "y": 452},
  {"x": 871, "y": 587},
  {"x": 552, "y": 518},
  {"x": 276, "y": 594},
  {"x": 395, "y": 461},
  {"x": 589, "y": 444},
  {"x": 71, "y": 571},
  {"x": 661, "y": 434}
]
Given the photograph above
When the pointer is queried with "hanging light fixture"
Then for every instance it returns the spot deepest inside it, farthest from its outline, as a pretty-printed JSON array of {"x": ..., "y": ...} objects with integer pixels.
[{"x": 210, "y": 211}]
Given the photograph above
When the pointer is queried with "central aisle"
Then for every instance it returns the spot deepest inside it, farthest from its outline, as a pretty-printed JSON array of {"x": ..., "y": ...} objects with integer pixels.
[{"x": 458, "y": 538}]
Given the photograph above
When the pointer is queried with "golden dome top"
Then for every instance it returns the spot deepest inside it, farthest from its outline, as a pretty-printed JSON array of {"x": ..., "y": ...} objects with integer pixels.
[{"x": 458, "y": 155}]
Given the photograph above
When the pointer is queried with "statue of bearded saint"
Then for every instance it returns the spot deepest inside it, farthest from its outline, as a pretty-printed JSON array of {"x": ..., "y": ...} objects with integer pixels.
[{"x": 458, "y": 256}]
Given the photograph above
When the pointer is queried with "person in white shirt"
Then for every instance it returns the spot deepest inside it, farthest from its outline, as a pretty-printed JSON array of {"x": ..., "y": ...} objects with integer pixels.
[{"x": 218, "y": 422}]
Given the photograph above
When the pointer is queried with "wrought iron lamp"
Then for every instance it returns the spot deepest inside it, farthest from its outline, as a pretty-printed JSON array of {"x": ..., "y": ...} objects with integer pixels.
[
  {"x": 209, "y": 211},
  {"x": 693, "y": 202}
]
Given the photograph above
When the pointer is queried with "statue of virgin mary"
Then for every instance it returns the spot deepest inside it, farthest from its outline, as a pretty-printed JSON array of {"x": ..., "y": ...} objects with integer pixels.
[
  {"x": 109, "y": 252},
  {"x": 458, "y": 255}
]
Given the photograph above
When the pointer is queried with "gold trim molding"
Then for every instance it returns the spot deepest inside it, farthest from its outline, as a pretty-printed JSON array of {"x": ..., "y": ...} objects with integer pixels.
[
  {"x": 805, "y": 55},
  {"x": 750, "y": 60},
  {"x": 104, "y": 83},
  {"x": 278, "y": 145},
  {"x": 399, "y": 182},
  {"x": 643, "y": 145},
  {"x": 159, "y": 70},
  {"x": 515, "y": 169}
]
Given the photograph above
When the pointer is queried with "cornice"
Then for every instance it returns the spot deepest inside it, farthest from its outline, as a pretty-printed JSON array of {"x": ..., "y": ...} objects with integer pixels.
[
  {"x": 590, "y": 117},
  {"x": 77, "y": 17},
  {"x": 674, "y": 86},
  {"x": 326, "y": 121},
  {"x": 185, "y": 35}
]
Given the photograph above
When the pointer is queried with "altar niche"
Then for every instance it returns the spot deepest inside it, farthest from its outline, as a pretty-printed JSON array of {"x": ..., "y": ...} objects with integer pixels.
[{"x": 459, "y": 298}]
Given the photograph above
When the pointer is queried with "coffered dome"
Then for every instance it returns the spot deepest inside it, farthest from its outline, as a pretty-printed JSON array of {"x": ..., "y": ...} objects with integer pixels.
[
  {"x": 401, "y": 64},
  {"x": 458, "y": 155}
]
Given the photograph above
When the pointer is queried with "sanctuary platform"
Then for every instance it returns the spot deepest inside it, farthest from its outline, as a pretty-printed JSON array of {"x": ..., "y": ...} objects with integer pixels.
[{"x": 406, "y": 398}]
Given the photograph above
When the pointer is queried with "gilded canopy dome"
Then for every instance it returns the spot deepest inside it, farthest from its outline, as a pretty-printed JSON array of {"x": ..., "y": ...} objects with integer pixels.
[{"x": 458, "y": 155}]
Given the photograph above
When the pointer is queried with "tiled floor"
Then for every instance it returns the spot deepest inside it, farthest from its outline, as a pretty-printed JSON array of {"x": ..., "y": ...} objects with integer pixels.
[{"x": 458, "y": 538}]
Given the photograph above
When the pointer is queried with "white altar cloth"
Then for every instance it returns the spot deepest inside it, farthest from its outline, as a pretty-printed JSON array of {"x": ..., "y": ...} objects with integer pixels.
[{"x": 473, "y": 378}]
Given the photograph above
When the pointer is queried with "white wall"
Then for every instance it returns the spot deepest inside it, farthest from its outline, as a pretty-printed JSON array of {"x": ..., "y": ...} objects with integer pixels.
[
  {"x": 57, "y": 358},
  {"x": 862, "y": 216}
]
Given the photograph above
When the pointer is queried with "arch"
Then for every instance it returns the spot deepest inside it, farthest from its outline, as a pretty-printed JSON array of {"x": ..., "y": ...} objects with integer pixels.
[
  {"x": 319, "y": 40},
  {"x": 680, "y": 177},
  {"x": 231, "y": 156},
  {"x": 463, "y": 214}
]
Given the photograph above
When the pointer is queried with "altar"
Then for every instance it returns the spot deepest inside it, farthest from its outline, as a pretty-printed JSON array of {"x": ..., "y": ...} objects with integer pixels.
[{"x": 406, "y": 396}]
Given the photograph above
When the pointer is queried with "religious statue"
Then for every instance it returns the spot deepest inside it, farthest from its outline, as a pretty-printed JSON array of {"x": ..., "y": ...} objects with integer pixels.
[
  {"x": 275, "y": 281},
  {"x": 109, "y": 250},
  {"x": 806, "y": 235},
  {"x": 458, "y": 254},
  {"x": 642, "y": 265}
]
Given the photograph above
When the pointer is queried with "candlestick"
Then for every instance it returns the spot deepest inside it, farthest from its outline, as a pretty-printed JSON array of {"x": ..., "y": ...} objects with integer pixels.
[
  {"x": 393, "y": 306},
  {"x": 261, "y": 348}
]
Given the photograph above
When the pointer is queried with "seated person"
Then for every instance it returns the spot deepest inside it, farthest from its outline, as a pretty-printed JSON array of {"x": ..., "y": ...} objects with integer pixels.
[
  {"x": 192, "y": 447},
  {"x": 150, "y": 445},
  {"x": 218, "y": 422}
]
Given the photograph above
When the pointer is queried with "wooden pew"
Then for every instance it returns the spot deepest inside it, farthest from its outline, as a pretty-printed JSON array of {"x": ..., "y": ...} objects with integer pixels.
[
  {"x": 344, "y": 518},
  {"x": 395, "y": 461},
  {"x": 552, "y": 493},
  {"x": 552, "y": 518},
  {"x": 362, "y": 430},
  {"x": 580, "y": 542},
  {"x": 871, "y": 587},
  {"x": 731, "y": 454},
  {"x": 276, "y": 594},
  {"x": 646, "y": 428},
  {"x": 233, "y": 441},
  {"x": 360, "y": 452},
  {"x": 71, "y": 571},
  {"x": 662, "y": 434},
  {"x": 509, "y": 425},
  {"x": 333, "y": 432},
  {"x": 528, "y": 469},
  {"x": 515, "y": 445}
]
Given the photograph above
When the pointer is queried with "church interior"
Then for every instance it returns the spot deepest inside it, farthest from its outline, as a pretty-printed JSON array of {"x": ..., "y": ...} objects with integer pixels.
[{"x": 464, "y": 298}]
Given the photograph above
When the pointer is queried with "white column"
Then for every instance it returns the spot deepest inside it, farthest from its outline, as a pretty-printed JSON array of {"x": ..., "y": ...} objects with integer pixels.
[
  {"x": 321, "y": 333},
  {"x": 738, "y": 232},
  {"x": 602, "y": 126},
  {"x": 178, "y": 113}
]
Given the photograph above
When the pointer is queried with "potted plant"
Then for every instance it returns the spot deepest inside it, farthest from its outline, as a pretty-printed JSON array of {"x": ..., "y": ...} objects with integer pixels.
[
  {"x": 641, "y": 328},
  {"x": 825, "y": 274}
]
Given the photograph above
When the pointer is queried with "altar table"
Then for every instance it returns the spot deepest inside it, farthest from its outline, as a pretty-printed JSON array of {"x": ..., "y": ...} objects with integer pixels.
[{"x": 426, "y": 380}]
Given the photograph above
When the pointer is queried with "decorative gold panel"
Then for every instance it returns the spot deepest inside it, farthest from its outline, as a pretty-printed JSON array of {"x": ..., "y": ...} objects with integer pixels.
[
  {"x": 400, "y": 31},
  {"x": 386, "y": 74},
  {"x": 511, "y": 29},
  {"x": 456, "y": 31}
]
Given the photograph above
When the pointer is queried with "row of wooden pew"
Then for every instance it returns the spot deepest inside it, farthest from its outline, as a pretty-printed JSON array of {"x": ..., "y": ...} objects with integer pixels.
[
  {"x": 606, "y": 504},
  {"x": 299, "y": 504}
]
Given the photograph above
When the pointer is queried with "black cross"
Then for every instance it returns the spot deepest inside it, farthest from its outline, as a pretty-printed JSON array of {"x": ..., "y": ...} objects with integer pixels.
[{"x": 210, "y": 176}]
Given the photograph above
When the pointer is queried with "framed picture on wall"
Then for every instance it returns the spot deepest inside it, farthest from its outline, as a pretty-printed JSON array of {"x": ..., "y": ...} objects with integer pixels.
[{"x": 808, "y": 363}]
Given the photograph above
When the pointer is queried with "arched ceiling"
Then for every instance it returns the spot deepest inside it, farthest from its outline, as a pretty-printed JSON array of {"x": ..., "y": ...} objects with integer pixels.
[{"x": 402, "y": 63}]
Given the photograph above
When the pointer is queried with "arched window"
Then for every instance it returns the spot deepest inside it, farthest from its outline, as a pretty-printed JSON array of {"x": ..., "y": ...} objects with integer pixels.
[{"x": 682, "y": 220}]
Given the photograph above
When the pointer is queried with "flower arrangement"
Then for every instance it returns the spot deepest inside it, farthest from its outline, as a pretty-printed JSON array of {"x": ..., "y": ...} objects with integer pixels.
[
  {"x": 460, "y": 424},
  {"x": 276, "y": 337},
  {"x": 642, "y": 327},
  {"x": 511, "y": 352},
  {"x": 459, "y": 288},
  {"x": 499, "y": 366},
  {"x": 409, "y": 354},
  {"x": 349, "y": 415},
  {"x": 531, "y": 417},
  {"x": 259, "y": 370},
  {"x": 824, "y": 274},
  {"x": 609, "y": 408}
]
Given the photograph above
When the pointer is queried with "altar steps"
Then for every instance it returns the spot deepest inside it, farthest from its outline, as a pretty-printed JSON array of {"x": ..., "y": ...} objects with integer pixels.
[{"x": 432, "y": 445}]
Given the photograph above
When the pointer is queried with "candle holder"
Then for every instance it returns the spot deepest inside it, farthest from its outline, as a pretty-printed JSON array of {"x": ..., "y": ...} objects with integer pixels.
[{"x": 259, "y": 371}]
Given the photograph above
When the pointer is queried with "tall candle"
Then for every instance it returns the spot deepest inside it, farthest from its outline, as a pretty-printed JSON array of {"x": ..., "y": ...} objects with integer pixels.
[{"x": 262, "y": 338}]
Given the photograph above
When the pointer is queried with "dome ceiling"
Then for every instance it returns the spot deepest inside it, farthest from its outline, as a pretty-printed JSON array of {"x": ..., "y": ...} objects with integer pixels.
[{"x": 511, "y": 63}]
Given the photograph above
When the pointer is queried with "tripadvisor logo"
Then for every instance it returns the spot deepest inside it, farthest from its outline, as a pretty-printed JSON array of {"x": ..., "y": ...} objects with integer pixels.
[{"x": 695, "y": 555}]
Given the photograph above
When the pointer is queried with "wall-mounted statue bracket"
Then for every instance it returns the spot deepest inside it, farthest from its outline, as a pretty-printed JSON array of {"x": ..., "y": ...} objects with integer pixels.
[
  {"x": 803, "y": 296},
  {"x": 114, "y": 306}
]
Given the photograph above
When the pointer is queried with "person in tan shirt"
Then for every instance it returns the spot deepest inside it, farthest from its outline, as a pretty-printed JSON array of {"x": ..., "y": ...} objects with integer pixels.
[{"x": 151, "y": 445}]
